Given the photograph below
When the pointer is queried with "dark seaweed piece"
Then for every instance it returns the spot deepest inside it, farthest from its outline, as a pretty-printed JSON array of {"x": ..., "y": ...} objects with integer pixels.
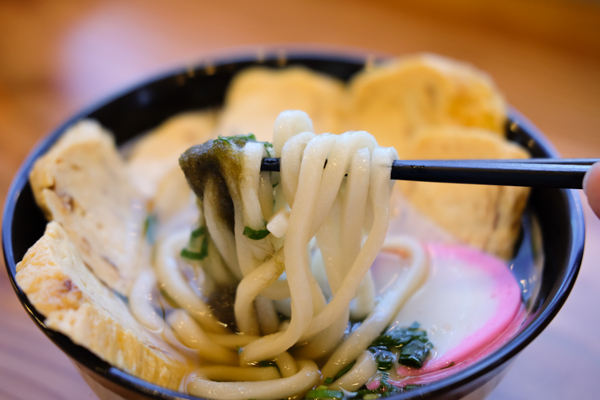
[
  {"x": 221, "y": 302},
  {"x": 214, "y": 161}
]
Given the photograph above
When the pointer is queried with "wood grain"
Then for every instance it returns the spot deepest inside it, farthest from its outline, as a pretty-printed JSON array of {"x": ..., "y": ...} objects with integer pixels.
[{"x": 58, "y": 56}]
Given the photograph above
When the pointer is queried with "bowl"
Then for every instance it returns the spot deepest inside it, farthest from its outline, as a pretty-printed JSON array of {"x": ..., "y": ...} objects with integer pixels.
[{"x": 558, "y": 214}]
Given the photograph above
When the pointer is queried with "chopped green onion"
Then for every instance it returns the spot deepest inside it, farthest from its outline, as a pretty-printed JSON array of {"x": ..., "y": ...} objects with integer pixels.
[
  {"x": 192, "y": 255},
  {"x": 343, "y": 371},
  {"x": 200, "y": 232},
  {"x": 328, "y": 380},
  {"x": 413, "y": 344},
  {"x": 385, "y": 361},
  {"x": 414, "y": 353},
  {"x": 400, "y": 337},
  {"x": 239, "y": 140},
  {"x": 267, "y": 147},
  {"x": 275, "y": 185},
  {"x": 324, "y": 394},
  {"x": 255, "y": 234},
  {"x": 196, "y": 233}
]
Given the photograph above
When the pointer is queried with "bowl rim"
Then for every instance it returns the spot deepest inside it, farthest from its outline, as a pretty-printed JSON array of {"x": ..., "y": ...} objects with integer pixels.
[{"x": 130, "y": 382}]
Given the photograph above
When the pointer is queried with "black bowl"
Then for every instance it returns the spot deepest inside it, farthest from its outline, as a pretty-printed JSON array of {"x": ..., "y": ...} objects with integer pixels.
[{"x": 148, "y": 104}]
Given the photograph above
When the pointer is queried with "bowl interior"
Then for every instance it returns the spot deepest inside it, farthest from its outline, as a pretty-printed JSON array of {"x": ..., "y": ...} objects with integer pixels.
[{"x": 146, "y": 105}]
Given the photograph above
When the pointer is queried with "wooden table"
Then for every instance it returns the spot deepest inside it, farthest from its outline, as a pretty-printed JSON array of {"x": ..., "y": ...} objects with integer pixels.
[{"x": 57, "y": 56}]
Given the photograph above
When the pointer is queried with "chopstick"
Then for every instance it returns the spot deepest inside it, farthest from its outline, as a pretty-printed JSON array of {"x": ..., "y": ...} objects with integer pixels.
[{"x": 535, "y": 172}]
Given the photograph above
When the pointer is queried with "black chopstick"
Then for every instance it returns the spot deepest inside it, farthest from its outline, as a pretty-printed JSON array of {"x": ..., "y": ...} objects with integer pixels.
[
  {"x": 565, "y": 161},
  {"x": 540, "y": 172}
]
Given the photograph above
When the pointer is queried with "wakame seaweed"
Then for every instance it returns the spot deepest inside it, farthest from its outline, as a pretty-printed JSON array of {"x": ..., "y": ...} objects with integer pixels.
[{"x": 216, "y": 161}]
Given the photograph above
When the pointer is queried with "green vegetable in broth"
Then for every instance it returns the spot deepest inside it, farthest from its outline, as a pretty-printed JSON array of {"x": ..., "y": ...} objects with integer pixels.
[{"x": 255, "y": 234}]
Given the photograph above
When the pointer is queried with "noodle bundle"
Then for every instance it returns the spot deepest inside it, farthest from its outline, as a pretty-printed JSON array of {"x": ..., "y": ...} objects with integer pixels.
[
  {"x": 298, "y": 246},
  {"x": 270, "y": 285}
]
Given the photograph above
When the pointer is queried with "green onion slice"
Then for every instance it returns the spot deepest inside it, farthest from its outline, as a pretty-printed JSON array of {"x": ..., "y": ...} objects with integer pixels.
[
  {"x": 343, "y": 371},
  {"x": 255, "y": 234}
]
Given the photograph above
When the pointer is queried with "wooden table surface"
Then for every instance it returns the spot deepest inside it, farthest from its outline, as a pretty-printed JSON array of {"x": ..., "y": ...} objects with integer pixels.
[{"x": 58, "y": 56}]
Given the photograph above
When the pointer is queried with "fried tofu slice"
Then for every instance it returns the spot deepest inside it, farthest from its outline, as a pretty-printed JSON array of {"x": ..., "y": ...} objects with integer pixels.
[
  {"x": 484, "y": 216},
  {"x": 393, "y": 100},
  {"x": 158, "y": 153},
  {"x": 76, "y": 303},
  {"x": 258, "y": 95},
  {"x": 82, "y": 183}
]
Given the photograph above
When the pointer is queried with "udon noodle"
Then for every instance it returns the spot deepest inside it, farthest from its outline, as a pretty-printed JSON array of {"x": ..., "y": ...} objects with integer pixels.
[{"x": 297, "y": 246}]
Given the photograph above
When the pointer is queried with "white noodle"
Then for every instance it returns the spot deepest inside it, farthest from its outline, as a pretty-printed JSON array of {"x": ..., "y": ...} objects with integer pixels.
[
  {"x": 140, "y": 302},
  {"x": 227, "y": 374},
  {"x": 327, "y": 225},
  {"x": 286, "y": 364},
  {"x": 192, "y": 336},
  {"x": 250, "y": 287},
  {"x": 387, "y": 307},
  {"x": 298, "y": 384},
  {"x": 176, "y": 286},
  {"x": 379, "y": 197},
  {"x": 231, "y": 341},
  {"x": 268, "y": 320},
  {"x": 360, "y": 373}
]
